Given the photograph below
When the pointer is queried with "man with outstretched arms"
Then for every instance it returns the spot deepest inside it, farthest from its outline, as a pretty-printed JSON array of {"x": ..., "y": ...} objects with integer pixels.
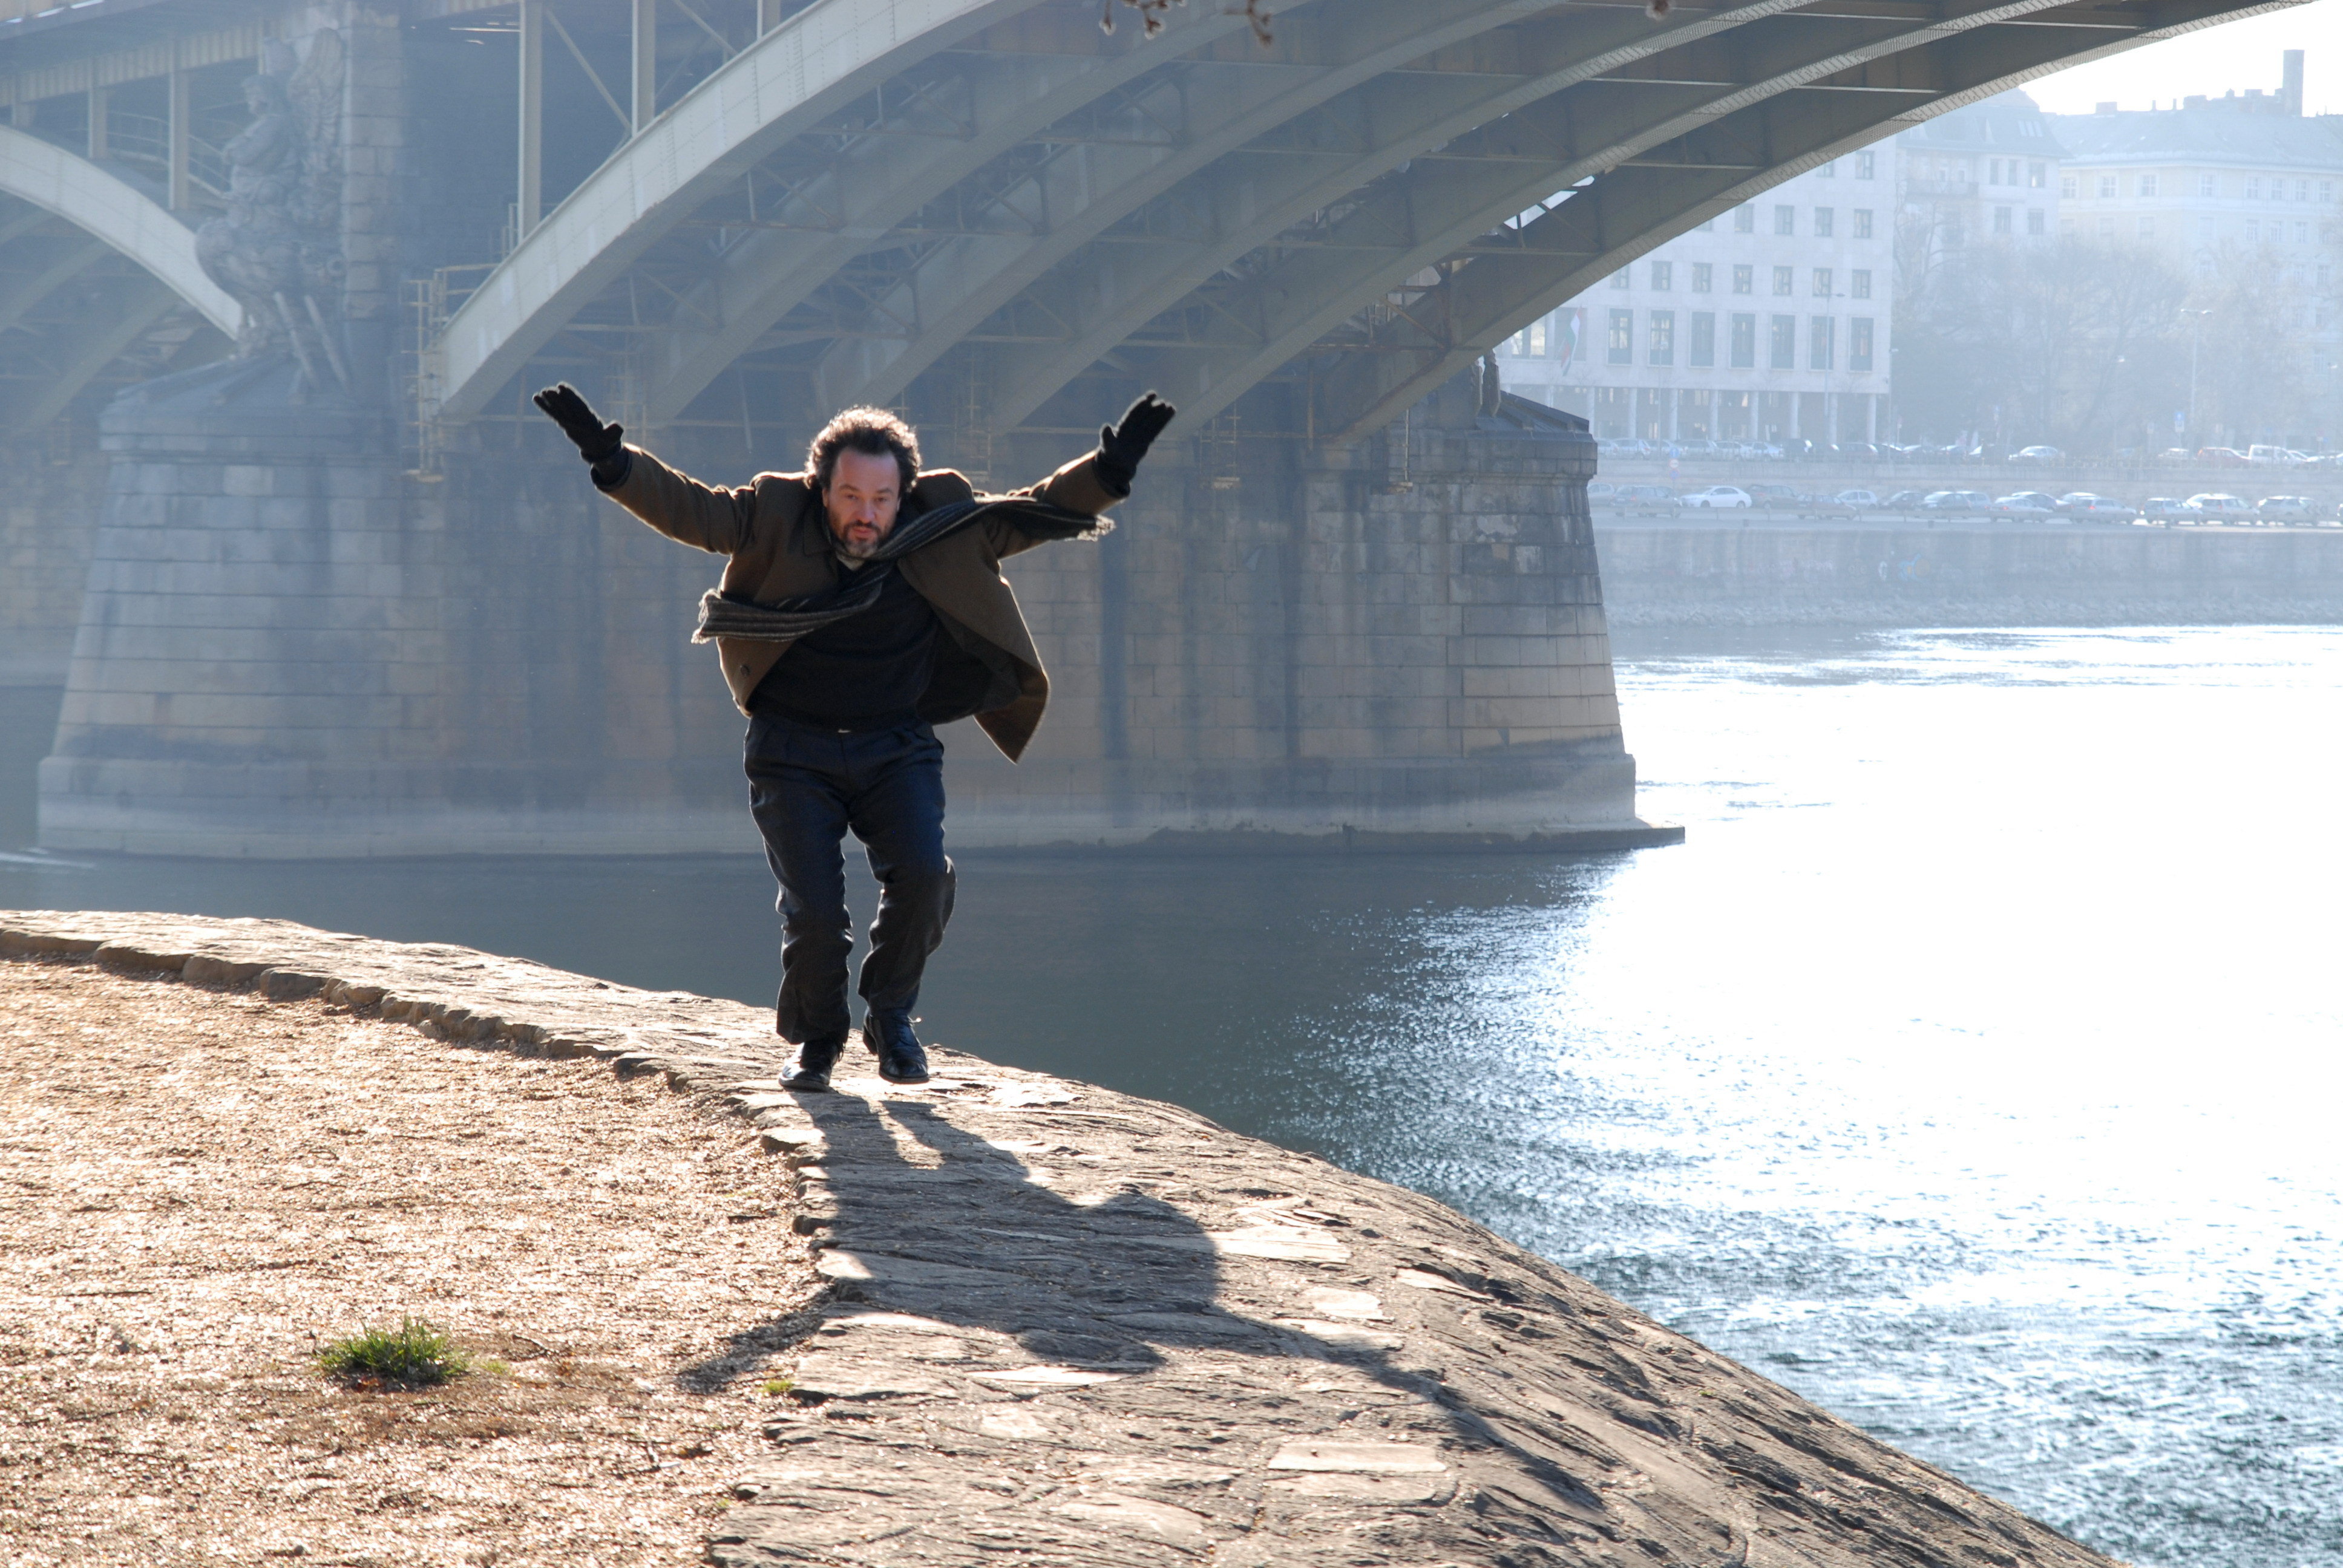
[{"x": 863, "y": 605}]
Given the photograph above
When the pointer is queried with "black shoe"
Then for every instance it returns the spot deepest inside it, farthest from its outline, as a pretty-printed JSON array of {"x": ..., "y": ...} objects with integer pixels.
[
  {"x": 888, "y": 1033},
  {"x": 815, "y": 1058}
]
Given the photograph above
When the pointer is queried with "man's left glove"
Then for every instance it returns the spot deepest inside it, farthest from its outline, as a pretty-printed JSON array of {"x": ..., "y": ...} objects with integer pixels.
[
  {"x": 1121, "y": 446},
  {"x": 604, "y": 446}
]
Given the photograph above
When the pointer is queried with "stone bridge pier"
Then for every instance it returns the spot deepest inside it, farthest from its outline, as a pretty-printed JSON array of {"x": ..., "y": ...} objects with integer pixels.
[{"x": 287, "y": 649}]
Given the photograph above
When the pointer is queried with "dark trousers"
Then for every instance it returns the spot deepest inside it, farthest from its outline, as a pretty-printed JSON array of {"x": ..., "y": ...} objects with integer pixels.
[{"x": 809, "y": 788}]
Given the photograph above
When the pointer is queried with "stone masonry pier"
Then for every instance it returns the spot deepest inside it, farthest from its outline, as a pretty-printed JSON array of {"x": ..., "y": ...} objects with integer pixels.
[{"x": 1068, "y": 1326}]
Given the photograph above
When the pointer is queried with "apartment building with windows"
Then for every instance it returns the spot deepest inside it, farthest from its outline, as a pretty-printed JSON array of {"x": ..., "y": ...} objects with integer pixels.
[
  {"x": 2245, "y": 172},
  {"x": 1769, "y": 322},
  {"x": 1990, "y": 173}
]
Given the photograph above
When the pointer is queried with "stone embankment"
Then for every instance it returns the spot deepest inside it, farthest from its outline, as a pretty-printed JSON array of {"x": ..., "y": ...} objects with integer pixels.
[
  {"x": 1738, "y": 569},
  {"x": 1067, "y": 1326}
]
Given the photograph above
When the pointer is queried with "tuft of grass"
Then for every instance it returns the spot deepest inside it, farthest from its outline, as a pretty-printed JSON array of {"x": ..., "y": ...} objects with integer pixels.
[
  {"x": 414, "y": 1354},
  {"x": 776, "y": 1387}
]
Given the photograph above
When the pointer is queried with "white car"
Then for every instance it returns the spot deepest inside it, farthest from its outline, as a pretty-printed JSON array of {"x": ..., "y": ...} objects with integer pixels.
[
  {"x": 1717, "y": 495},
  {"x": 1858, "y": 498},
  {"x": 2215, "y": 504}
]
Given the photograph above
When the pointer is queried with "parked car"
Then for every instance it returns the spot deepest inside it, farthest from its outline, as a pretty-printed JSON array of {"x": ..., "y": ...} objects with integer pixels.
[
  {"x": 1600, "y": 492},
  {"x": 1855, "y": 452},
  {"x": 2272, "y": 456},
  {"x": 1860, "y": 500},
  {"x": 2026, "y": 504},
  {"x": 2221, "y": 456},
  {"x": 1717, "y": 495},
  {"x": 1646, "y": 499},
  {"x": 2287, "y": 510},
  {"x": 1774, "y": 497},
  {"x": 2216, "y": 505},
  {"x": 2176, "y": 455},
  {"x": 2099, "y": 508},
  {"x": 2038, "y": 455},
  {"x": 1955, "y": 501},
  {"x": 1905, "y": 500},
  {"x": 2164, "y": 508}
]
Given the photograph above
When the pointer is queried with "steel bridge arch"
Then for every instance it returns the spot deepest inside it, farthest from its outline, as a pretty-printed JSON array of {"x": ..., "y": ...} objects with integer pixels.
[
  {"x": 115, "y": 216},
  {"x": 1339, "y": 253}
]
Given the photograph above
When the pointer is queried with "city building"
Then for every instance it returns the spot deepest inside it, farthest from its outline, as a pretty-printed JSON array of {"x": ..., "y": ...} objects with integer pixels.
[
  {"x": 2244, "y": 170},
  {"x": 1769, "y": 323},
  {"x": 1990, "y": 172}
]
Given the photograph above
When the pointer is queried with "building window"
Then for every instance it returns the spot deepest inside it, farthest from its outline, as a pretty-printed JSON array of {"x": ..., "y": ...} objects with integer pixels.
[
  {"x": 2106, "y": 228},
  {"x": 2326, "y": 190},
  {"x": 1858, "y": 343},
  {"x": 1703, "y": 339},
  {"x": 2302, "y": 234},
  {"x": 1858, "y": 283},
  {"x": 2147, "y": 184},
  {"x": 1784, "y": 347},
  {"x": 1662, "y": 337},
  {"x": 2106, "y": 184},
  {"x": 1744, "y": 279},
  {"x": 2037, "y": 177},
  {"x": 2209, "y": 184},
  {"x": 1703, "y": 277},
  {"x": 1992, "y": 172},
  {"x": 2253, "y": 230},
  {"x": 2002, "y": 221},
  {"x": 2035, "y": 221},
  {"x": 1745, "y": 219},
  {"x": 1786, "y": 220},
  {"x": 1829, "y": 171},
  {"x": 2302, "y": 190},
  {"x": 2253, "y": 188},
  {"x": 1622, "y": 278},
  {"x": 1537, "y": 335},
  {"x": 1744, "y": 343},
  {"x": 1784, "y": 280},
  {"x": 1820, "y": 341},
  {"x": 2066, "y": 184},
  {"x": 1864, "y": 166},
  {"x": 1708, "y": 227},
  {"x": 2147, "y": 229},
  {"x": 1663, "y": 275},
  {"x": 1823, "y": 222},
  {"x": 1821, "y": 283},
  {"x": 1863, "y": 223},
  {"x": 1623, "y": 337}
]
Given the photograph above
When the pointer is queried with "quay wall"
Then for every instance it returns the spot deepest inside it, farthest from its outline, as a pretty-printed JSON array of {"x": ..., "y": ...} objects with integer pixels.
[{"x": 1752, "y": 570}]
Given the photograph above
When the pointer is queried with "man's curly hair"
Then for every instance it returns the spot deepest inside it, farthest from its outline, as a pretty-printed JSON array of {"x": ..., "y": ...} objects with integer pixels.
[{"x": 873, "y": 430}]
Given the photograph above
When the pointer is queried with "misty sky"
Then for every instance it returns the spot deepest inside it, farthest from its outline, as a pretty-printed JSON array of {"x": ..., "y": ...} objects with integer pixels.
[{"x": 2211, "y": 61}]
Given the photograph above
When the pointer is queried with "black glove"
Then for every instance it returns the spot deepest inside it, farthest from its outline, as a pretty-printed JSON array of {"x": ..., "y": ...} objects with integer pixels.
[
  {"x": 1122, "y": 446},
  {"x": 604, "y": 446}
]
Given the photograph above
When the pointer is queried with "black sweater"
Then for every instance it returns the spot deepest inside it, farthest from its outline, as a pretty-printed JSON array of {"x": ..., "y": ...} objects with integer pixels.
[{"x": 866, "y": 672}]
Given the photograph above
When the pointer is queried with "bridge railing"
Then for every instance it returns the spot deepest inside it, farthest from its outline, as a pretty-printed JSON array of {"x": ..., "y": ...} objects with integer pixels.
[{"x": 146, "y": 139}]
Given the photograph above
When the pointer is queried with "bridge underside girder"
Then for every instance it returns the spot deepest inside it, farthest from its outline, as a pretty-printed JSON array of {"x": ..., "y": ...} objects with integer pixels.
[{"x": 1007, "y": 210}]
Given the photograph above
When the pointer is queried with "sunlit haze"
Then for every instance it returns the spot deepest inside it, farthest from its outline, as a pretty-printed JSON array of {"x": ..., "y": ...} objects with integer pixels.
[{"x": 2235, "y": 56}]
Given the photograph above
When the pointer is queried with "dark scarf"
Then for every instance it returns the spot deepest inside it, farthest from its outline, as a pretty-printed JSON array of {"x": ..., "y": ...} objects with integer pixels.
[{"x": 795, "y": 618}]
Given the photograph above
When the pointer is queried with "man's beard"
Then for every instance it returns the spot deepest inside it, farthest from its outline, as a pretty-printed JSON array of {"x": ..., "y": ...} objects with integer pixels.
[{"x": 855, "y": 552}]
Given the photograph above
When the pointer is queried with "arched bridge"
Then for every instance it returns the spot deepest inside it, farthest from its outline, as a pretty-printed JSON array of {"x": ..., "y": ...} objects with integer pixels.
[
  {"x": 996, "y": 215},
  {"x": 97, "y": 280}
]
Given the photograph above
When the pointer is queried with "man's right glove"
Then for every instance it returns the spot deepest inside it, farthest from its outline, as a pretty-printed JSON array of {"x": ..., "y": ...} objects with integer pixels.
[
  {"x": 1121, "y": 446},
  {"x": 604, "y": 446}
]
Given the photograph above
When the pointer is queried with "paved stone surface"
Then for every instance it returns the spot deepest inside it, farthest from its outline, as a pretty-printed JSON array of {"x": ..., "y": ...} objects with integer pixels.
[{"x": 1068, "y": 1326}]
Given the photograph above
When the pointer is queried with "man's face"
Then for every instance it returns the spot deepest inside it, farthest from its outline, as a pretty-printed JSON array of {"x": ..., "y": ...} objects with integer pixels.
[{"x": 865, "y": 489}]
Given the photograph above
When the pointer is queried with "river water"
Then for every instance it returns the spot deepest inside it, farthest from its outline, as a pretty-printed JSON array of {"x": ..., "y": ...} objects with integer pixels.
[{"x": 1972, "y": 1069}]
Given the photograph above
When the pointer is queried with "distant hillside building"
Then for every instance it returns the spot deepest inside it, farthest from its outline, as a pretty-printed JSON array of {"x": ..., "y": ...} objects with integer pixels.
[{"x": 1769, "y": 323}]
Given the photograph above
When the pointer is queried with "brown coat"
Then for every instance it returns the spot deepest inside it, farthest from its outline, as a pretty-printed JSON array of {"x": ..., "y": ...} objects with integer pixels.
[{"x": 776, "y": 534}]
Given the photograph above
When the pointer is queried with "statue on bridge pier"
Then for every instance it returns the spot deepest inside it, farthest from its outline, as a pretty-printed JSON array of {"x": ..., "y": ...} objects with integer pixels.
[
  {"x": 277, "y": 248},
  {"x": 863, "y": 605}
]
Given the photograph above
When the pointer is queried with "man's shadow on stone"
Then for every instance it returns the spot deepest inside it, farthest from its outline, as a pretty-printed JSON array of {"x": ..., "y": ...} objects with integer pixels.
[{"x": 1103, "y": 1287}]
